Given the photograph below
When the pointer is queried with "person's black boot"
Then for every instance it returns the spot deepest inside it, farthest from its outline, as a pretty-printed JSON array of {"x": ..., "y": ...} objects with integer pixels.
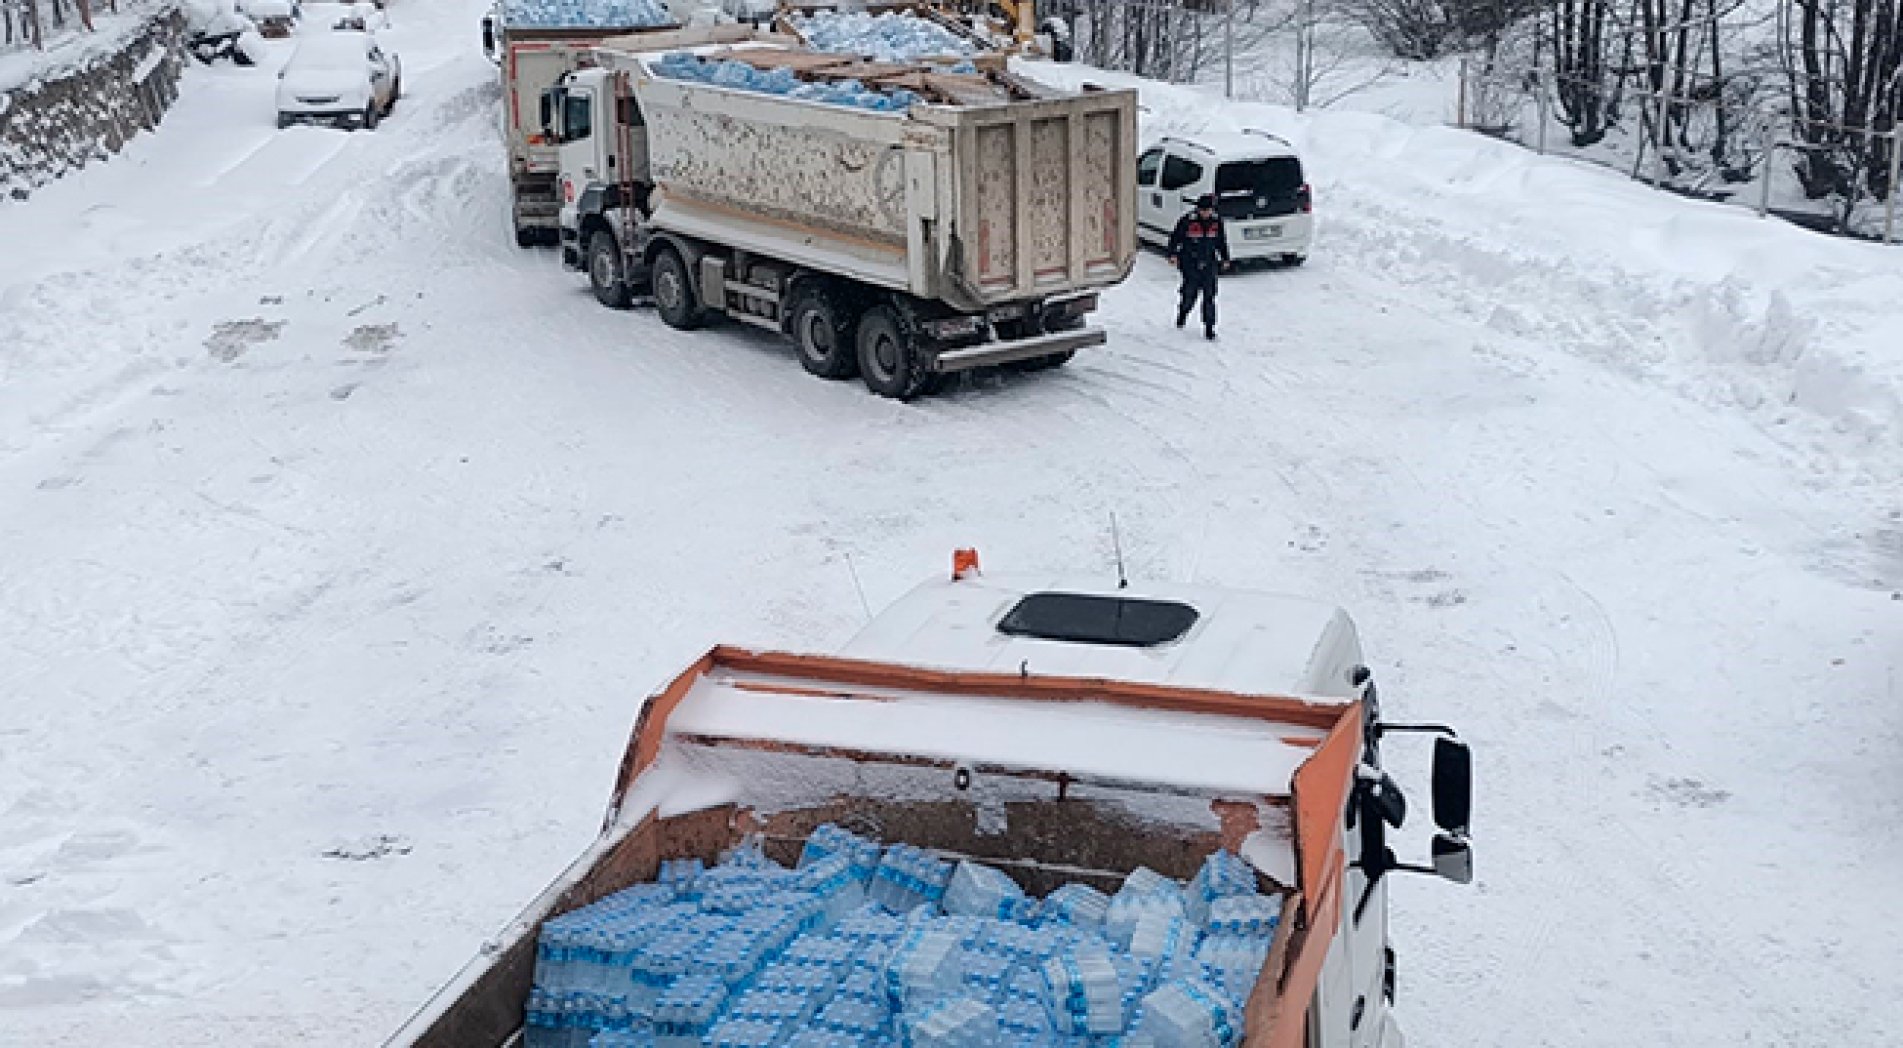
[
  {"x": 1182, "y": 318},
  {"x": 1210, "y": 333}
]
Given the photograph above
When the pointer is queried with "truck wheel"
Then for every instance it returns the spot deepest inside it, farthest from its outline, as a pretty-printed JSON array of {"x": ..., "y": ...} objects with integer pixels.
[
  {"x": 888, "y": 355},
  {"x": 823, "y": 333},
  {"x": 526, "y": 237},
  {"x": 370, "y": 116},
  {"x": 604, "y": 270},
  {"x": 674, "y": 296}
]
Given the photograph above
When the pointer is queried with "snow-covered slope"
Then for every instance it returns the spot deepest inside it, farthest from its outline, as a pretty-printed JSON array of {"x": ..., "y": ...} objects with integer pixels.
[{"x": 339, "y": 539}]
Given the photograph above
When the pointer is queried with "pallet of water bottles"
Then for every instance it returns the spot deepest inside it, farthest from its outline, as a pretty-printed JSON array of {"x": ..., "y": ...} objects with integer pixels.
[{"x": 861, "y": 945}]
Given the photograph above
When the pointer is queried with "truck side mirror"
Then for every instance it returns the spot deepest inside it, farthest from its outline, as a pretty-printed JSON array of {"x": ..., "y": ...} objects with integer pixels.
[
  {"x": 489, "y": 37},
  {"x": 1453, "y": 858},
  {"x": 1453, "y": 785}
]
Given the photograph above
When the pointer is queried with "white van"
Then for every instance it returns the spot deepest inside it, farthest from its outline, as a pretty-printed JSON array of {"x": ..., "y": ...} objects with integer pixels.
[{"x": 1260, "y": 189}]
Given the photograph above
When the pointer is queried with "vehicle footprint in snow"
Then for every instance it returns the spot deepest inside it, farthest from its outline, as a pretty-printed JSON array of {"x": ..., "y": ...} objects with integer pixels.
[
  {"x": 230, "y": 339},
  {"x": 381, "y": 846},
  {"x": 1687, "y": 793}
]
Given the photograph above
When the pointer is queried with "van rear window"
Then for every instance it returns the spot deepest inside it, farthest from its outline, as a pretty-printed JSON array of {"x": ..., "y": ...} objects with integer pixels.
[
  {"x": 1275, "y": 177},
  {"x": 1087, "y": 618}
]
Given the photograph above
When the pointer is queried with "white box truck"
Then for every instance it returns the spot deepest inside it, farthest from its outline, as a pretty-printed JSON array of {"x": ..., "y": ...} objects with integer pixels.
[
  {"x": 1059, "y": 730},
  {"x": 973, "y": 227}
]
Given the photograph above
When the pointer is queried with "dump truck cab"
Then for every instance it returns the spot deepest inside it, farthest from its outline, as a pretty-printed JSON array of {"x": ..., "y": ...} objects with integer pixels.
[{"x": 1060, "y": 730}]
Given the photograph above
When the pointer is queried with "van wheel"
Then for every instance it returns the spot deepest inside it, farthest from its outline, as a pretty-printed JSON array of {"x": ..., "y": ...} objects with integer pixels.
[
  {"x": 888, "y": 355},
  {"x": 370, "y": 116},
  {"x": 604, "y": 270},
  {"x": 674, "y": 296},
  {"x": 823, "y": 332}
]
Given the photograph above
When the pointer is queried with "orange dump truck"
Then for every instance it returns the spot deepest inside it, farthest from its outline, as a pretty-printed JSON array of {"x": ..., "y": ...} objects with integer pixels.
[{"x": 1059, "y": 731}]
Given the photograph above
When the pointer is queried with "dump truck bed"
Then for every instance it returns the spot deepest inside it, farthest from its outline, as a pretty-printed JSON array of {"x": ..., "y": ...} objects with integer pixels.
[
  {"x": 995, "y": 190},
  {"x": 1049, "y": 778}
]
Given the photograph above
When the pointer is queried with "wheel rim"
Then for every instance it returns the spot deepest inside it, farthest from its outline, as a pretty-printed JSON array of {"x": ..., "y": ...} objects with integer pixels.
[
  {"x": 667, "y": 288},
  {"x": 604, "y": 270},
  {"x": 817, "y": 336},
  {"x": 885, "y": 354}
]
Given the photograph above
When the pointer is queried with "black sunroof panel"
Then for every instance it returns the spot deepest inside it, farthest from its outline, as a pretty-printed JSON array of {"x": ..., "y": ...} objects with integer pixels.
[{"x": 1086, "y": 618}]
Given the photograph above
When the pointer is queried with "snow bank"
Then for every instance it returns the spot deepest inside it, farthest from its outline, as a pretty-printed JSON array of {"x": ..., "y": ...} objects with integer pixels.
[
  {"x": 890, "y": 37},
  {"x": 1721, "y": 306}
]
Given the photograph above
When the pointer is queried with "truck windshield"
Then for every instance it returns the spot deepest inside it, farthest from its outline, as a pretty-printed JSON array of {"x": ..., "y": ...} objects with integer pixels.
[
  {"x": 1091, "y": 619},
  {"x": 1259, "y": 188}
]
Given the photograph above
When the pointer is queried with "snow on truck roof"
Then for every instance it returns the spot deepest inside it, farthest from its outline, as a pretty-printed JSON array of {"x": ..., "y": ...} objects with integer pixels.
[
  {"x": 1241, "y": 640},
  {"x": 1191, "y": 689}
]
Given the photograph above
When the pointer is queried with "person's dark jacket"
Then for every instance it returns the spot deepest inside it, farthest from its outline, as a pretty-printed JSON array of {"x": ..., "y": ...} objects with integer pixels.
[{"x": 1199, "y": 243}]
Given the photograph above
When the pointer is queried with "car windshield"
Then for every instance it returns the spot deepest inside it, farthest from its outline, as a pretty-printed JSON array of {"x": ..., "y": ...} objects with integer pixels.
[{"x": 331, "y": 51}]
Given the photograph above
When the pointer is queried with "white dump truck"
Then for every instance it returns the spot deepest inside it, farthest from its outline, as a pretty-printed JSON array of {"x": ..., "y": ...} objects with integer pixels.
[
  {"x": 530, "y": 56},
  {"x": 1055, "y": 729},
  {"x": 969, "y": 222}
]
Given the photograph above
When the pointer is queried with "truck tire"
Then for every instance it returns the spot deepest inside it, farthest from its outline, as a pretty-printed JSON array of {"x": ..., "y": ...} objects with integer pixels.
[
  {"x": 674, "y": 295},
  {"x": 370, "y": 116},
  {"x": 822, "y": 331},
  {"x": 888, "y": 355},
  {"x": 606, "y": 272}
]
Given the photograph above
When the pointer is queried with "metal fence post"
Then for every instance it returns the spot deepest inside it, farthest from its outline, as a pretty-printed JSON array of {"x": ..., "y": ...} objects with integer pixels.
[
  {"x": 1764, "y": 177},
  {"x": 1889, "y": 213},
  {"x": 1229, "y": 50},
  {"x": 1540, "y": 104},
  {"x": 1460, "y": 103}
]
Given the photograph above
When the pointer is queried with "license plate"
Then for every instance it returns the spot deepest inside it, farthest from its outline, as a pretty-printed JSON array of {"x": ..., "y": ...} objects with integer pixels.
[{"x": 1262, "y": 232}]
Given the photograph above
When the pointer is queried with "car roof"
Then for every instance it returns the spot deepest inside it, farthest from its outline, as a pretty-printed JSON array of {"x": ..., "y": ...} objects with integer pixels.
[
  {"x": 1233, "y": 145},
  {"x": 337, "y": 46},
  {"x": 1241, "y": 641}
]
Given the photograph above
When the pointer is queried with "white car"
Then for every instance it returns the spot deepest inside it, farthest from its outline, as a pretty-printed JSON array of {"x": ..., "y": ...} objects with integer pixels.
[
  {"x": 1261, "y": 193},
  {"x": 341, "y": 78}
]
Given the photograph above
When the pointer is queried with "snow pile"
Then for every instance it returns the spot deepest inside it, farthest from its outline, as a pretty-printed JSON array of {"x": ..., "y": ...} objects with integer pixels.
[
  {"x": 679, "y": 65},
  {"x": 750, "y": 952},
  {"x": 890, "y": 37},
  {"x": 603, "y": 13}
]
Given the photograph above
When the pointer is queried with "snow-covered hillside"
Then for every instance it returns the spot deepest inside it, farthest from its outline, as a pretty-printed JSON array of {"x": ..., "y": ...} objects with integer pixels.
[{"x": 340, "y": 538}]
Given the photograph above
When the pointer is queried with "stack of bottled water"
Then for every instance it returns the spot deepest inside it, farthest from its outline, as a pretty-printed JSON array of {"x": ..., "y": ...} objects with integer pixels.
[
  {"x": 1190, "y": 1013},
  {"x": 1078, "y": 905},
  {"x": 956, "y": 1022},
  {"x": 680, "y": 65},
  {"x": 1082, "y": 991},
  {"x": 980, "y": 891},
  {"x": 829, "y": 840},
  {"x": 1222, "y": 875},
  {"x": 857, "y": 949},
  {"x": 1144, "y": 893},
  {"x": 889, "y": 37},
  {"x": 575, "y": 14},
  {"x": 908, "y": 878}
]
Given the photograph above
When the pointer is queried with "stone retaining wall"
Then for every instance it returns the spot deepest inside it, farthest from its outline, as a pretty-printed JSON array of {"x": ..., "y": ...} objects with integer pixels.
[{"x": 86, "y": 111}]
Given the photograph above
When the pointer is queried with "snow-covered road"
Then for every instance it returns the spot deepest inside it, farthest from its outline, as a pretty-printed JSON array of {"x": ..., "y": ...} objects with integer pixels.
[{"x": 339, "y": 539}]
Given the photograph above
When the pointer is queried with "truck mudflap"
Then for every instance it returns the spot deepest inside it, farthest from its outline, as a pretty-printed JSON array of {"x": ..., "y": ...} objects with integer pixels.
[{"x": 991, "y": 354}]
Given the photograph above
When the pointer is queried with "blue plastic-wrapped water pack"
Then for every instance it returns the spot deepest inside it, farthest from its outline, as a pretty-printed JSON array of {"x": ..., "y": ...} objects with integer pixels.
[
  {"x": 576, "y": 14},
  {"x": 860, "y": 946},
  {"x": 680, "y": 65},
  {"x": 889, "y": 37}
]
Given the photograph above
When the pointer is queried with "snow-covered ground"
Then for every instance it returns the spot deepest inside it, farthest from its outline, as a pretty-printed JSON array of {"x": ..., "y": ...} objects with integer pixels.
[{"x": 339, "y": 539}]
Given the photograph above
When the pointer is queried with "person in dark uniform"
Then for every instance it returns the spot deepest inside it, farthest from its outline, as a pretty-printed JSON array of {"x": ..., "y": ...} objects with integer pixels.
[{"x": 1199, "y": 249}]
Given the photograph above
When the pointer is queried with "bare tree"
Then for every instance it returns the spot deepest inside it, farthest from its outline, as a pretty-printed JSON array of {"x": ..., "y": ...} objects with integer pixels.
[
  {"x": 1584, "y": 84},
  {"x": 1844, "y": 62}
]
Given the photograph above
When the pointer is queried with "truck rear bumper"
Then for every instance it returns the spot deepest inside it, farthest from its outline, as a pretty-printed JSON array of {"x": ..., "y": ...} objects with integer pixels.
[{"x": 991, "y": 354}]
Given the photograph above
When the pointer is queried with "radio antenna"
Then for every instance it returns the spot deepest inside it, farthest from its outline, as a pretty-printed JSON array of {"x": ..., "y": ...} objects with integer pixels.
[{"x": 1116, "y": 545}]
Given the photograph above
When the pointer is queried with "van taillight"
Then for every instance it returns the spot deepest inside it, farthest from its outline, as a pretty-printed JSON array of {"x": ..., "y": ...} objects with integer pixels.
[{"x": 1305, "y": 198}]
